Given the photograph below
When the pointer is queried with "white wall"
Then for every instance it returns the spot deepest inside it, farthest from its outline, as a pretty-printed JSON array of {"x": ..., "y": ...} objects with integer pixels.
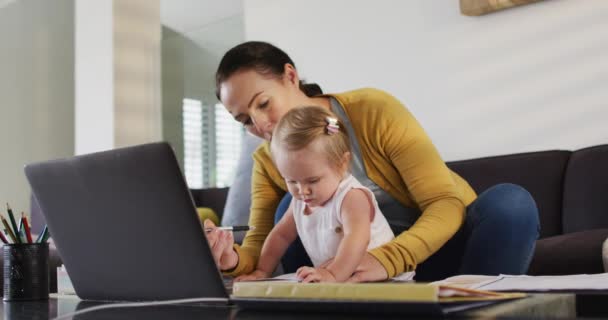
[
  {"x": 528, "y": 78},
  {"x": 94, "y": 76},
  {"x": 36, "y": 90}
]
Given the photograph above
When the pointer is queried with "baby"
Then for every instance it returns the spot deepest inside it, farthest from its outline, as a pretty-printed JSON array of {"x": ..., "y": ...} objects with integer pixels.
[{"x": 336, "y": 218}]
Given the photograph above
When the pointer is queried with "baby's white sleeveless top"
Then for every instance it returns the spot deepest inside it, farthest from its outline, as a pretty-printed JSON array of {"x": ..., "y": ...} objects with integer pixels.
[{"x": 321, "y": 231}]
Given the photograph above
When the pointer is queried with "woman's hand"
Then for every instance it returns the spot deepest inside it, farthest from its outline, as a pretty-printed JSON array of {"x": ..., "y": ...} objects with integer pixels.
[
  {"x": 369, "y": 270},
  {"x": 257, "y": 274},
  {"x": 221, "y": 243},
  {"x": 310, "y": 274}
]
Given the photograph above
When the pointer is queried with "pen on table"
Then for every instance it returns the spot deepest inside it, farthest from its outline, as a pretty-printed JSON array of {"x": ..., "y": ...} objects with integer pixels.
[
  {"x": 13, "y": 223},
  {"x": 42, "y": 235},
  {"x": 7, "y": 230},
  {"x": 232, "y": 228},
  {"x": 26, "y": 225}
]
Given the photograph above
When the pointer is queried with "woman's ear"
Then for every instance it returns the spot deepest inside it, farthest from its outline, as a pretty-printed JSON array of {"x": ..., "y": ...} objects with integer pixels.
[{"x": 291, "y": 75}]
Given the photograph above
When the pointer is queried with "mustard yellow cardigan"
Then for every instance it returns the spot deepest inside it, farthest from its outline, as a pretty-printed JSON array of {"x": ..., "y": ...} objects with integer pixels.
[{"x": 400, "y": 158}]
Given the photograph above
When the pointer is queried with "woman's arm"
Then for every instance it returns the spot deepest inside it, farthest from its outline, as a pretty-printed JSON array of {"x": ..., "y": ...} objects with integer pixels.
[{"x": 430, "y": 185}]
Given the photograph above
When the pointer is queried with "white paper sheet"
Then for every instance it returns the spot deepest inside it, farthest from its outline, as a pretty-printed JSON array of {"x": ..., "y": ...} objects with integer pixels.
[
  {"x": 468, "y": 281},
  {"x": 547, "y": 283},
  {"x": 530, "y": 283}
]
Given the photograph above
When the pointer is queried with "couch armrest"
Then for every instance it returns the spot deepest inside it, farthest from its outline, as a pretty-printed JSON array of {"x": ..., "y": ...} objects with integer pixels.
[{"x": 572, "y": 253}]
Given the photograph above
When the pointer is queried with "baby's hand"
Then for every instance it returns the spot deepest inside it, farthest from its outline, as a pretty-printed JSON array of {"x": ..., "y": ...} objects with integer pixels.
[
  {"x": 257, "y": 274},
  {"x": 310, "y": 274}
]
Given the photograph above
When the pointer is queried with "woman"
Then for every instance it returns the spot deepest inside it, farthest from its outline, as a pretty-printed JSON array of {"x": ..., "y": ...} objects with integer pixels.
[{"x": 443, "y": 227}]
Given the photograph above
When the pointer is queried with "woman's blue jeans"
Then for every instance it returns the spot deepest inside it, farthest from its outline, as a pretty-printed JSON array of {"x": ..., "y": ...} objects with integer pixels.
[{"x": 498, "y": 237}]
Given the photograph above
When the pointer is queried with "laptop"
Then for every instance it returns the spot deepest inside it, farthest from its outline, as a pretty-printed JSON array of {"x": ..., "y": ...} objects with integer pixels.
[{"x": 125, "y": 225}]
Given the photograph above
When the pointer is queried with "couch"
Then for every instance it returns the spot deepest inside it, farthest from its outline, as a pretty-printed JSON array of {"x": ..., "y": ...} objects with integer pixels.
[{"x": 571, "y": 192}]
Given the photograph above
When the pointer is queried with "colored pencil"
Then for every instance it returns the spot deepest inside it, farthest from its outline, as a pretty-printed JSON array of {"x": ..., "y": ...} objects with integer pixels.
[
  {"x": 26, "y": 225},
  {"x": 7, "y": 230},
  {"x": 21, "y": 231},
  {"x": 42, "y": 235},
  {"x": 13, "y": 223},
  {"x": 3, "y": 238}
]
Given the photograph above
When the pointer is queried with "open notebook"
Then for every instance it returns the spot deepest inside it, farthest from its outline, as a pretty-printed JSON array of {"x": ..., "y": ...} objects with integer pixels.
[
  {"x": 379, "y": 291},
  {"x": 398, "y": 295},
  {"x": 405, "y": 298}
]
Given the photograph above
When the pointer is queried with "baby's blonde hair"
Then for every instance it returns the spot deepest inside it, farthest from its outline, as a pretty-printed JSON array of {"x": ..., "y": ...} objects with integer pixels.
[{"x": 301, "y": 126}]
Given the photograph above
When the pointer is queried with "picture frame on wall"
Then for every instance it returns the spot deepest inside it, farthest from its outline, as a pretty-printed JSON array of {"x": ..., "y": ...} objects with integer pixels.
[{"x": 481, "y": 7}]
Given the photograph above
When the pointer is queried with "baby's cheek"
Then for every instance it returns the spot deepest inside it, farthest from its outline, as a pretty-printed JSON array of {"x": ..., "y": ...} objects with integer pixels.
[{"x": 293, "y": 191}]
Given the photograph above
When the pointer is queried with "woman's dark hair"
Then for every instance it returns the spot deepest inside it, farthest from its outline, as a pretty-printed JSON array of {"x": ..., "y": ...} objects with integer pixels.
[{"x": 262, "y": 57}]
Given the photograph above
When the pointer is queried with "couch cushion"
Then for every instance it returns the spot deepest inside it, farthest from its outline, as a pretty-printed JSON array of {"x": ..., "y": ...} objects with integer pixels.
[
  {"x": 541, "y": 173},
  {"x": 573, "y": 253},
  {"x": 586, "y": 190}
]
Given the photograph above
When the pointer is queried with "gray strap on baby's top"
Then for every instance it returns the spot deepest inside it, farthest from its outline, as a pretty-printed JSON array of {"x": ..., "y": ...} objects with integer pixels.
[{"x": 399, "y": 217}]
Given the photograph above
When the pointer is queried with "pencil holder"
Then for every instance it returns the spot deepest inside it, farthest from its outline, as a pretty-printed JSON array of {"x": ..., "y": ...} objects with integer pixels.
[{"x": 26, "y": 271}]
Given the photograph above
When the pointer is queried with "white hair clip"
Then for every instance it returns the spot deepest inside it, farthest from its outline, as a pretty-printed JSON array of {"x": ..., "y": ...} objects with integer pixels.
[{"x": 332, "y": 125}]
